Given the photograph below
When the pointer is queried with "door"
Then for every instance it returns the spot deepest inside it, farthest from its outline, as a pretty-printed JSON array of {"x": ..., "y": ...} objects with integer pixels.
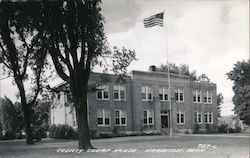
[{"x": 164, "y": 121}]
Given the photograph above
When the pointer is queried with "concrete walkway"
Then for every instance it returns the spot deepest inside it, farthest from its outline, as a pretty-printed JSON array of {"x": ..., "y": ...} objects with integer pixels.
[{"x": 238, "y": 135}]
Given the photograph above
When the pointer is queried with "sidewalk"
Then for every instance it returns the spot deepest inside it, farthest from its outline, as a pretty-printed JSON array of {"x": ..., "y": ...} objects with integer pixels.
[{"x": 231, "y": 135}]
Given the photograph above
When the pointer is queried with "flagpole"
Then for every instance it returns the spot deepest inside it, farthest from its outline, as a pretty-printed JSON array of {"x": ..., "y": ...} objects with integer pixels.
[{"x": 169, "y": 83}]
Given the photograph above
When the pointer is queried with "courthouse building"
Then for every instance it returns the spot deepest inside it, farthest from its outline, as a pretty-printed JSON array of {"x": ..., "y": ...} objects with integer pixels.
[{"x": 141, "y": 102}]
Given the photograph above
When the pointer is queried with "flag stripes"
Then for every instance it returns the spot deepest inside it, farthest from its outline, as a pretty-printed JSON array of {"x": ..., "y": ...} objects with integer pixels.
[{"x": 154, "y": 20}]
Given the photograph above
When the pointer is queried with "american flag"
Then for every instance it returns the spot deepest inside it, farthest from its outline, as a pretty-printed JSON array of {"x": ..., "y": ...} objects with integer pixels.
[{"x": 154, "y": 20}]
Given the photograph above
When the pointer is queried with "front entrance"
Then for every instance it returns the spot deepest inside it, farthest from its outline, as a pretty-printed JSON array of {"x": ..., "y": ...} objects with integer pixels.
[{"x": 164, "y": 121}]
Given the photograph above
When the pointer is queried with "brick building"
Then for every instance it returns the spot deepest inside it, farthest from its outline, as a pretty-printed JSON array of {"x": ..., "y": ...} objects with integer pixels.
[{"x": 140, "y": 102}]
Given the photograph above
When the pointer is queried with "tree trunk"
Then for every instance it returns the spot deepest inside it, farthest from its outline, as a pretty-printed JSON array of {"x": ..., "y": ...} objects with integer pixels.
[
  {"x": 26, "y": 113},
  {"x": 28, "y": 130},
  {"x": 82, "y": 122}
]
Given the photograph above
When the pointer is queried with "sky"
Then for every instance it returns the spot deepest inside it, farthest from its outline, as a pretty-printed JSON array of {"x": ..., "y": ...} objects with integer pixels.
[{"x": 208, "y": 35}]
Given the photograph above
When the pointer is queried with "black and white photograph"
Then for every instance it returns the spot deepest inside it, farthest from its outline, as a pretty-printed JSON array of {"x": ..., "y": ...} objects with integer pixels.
[{"x": 124, "y": 78}]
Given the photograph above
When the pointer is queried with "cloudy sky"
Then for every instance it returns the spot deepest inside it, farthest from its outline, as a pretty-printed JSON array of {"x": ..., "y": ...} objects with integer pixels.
[{"x": 208, "y": 35}]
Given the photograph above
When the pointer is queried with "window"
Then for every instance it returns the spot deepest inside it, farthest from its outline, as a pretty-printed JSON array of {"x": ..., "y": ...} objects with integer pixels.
[
  {"x": 197, "y": 96},
  {"x": 59, "y": 96},
  {"x": 179, "y": 95},
  {"x": 208, "y": 117},
  {"x": 103, "y": 117},
  {"x": 180, "y": 117},
  {"x": 163, "y": 94},
  {"x": 73, "y": 119},
  {"x": 103, "y": 92},
  {"x": 147, "y": 93},
  {"x": 120, "y": 117},
  {"x": 148, "y": 117},
  {"x": 119, "y": 92},
  {"x": 207, "y": 97},
  {"x": 198, "y": 117}
]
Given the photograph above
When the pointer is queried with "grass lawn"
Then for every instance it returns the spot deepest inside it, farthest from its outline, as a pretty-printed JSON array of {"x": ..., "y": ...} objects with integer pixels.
[{"x": 180, "y": 146}]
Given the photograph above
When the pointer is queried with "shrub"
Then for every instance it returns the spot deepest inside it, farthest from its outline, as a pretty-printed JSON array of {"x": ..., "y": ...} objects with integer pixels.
[
  {"x": 62, "y": 132},
  {"x": 222, "y": 128},
  {"x": 238, "y": 130},
  {"x": 9, "y": 135},
  {"x": 234, "y": 130},
  {"x": 196, "y": 129},
  {"x": 106, "y": 135},
  {"x": 94, "y": 134},
  {"x": 210, "y": 128},
  {"x": 52, "y": 131},
  {"x": 116, "y": 131},
  {"x": 20, "y": 135}
]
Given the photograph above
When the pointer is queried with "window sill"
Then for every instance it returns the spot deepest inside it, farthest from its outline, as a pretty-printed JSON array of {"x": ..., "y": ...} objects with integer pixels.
[
  {"x": 103, "y": 125},
  {"x": 147, "y": 100},
  {"x": 102, "y": 99},
  {"x": 180, "y": 123},
  {"x": 121, "y": 125}
]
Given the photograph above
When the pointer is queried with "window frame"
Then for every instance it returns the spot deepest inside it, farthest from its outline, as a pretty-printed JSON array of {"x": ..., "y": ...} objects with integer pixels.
[
  {"x": 120, "y": 117},
  {"x": 147, "y": 90},
  {"x": 197, "y": 94},
  {"x": 207, "y": 116},
  {"x": 103, "y": 118},
  {"x": 165, "y": 91},
  {"x": 102, "y": 89},
  {"x": 198, "y": 114},
  {"x": 119, "y": 90},
  {"x": 148, "y": 118},
  {"x": 179, "y": 116},
  {"x": 208, "y": 94},
  {"x": 179, "y": 91}
]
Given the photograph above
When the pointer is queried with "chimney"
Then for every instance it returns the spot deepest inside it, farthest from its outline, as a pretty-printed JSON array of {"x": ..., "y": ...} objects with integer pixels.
[{"x": 152, "y": 68}]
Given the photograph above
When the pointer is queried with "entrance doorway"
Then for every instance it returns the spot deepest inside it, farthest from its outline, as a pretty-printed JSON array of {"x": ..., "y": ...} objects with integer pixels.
[{"x": 164, "y": 121}]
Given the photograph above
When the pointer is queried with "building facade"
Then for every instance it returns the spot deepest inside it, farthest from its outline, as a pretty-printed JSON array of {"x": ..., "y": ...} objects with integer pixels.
[{"x": 141, "y": 102}]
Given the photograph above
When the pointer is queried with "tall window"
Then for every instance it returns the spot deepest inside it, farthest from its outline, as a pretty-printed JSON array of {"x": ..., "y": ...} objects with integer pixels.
[
  {"x": 198, "y": 117},
  {"x": 147, "y": 93},
  {"x": 103, "y": 92},
  {"x": 163, "y": 94},
  {"x": 180, "y": 117},
  {"x": 103, "y": 117},
  {"x": 148, "y": 117},
  {"x": 120, "y": 117},
  {"x": 208, "y": 117},
  {"x": 197, "y": 96},
  {"x": 119, "y": 92},
  {"x": 207, "y": 96},
  {"x": 179, "y": 95},
  {"x": 73, "y": 120}
]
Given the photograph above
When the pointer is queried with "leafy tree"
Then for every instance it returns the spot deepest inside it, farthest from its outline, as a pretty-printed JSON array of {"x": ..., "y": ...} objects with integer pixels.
[
  {"x": 76, "y": 43},
  {"x": 22, "y": 54},
  {"x": 240, "y": 75},
  {"x": 182, "y": 69},
  {"x": 220, "y": 99},
  {"x": 40, "y": 118},
  {"x": 13, "y": 117},
  {"x": 203, "y": 78}
]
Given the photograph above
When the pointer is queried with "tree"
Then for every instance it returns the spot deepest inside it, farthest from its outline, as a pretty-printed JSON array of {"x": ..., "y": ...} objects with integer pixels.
[
  {"x": 22, "y": 54},
  {"x": 240, "y": 75},
  {"x": 13, "y": 117},
  {"x": 76, "y": 42},
  {"x": 40, "y": 118},
  {"x": 220, "y": 99},
  {"x": 182, "y": 69},
  {"x": 203, "y": 78}
]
